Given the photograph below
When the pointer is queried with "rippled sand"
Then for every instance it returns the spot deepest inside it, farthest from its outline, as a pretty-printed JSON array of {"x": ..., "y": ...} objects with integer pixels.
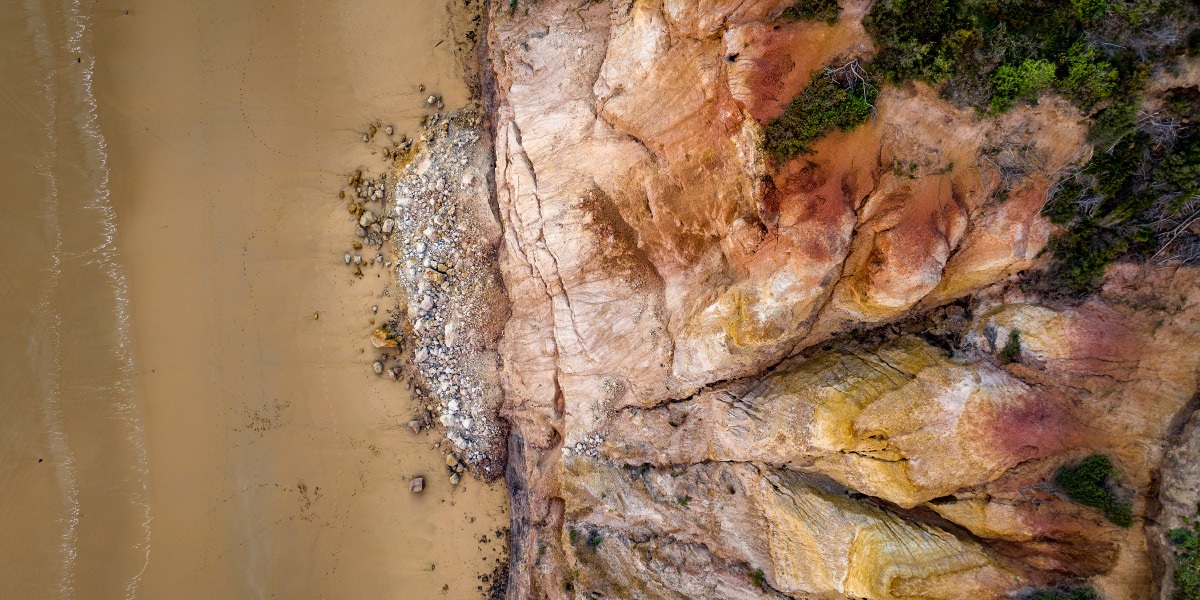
[{"x": 175, "y": 423}]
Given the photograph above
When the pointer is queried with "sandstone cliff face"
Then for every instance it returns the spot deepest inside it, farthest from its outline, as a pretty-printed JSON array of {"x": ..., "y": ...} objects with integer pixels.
[{"x": 732, "y": 379}]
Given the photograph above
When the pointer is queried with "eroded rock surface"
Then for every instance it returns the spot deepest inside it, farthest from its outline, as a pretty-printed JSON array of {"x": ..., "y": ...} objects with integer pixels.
[{"x": 731, "y": 379}]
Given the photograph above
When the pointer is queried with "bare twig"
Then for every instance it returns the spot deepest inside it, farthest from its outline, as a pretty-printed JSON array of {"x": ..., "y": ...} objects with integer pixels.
[
  {"x": 852, "y": 77},
  {"x": 1162, "y": 127}
]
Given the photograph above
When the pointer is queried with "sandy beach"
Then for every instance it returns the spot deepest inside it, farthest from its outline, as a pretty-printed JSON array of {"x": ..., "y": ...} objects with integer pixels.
[{"x": 245, "y": 449}]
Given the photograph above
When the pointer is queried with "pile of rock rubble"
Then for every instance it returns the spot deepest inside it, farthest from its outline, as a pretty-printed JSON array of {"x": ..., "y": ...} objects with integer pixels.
[{"x": 445, "y": 240}]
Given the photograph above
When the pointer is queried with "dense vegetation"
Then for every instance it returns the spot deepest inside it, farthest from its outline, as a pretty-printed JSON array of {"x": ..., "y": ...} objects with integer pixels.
[
  {"x": 1187, "y": 560},
  {"x": 1089, "y": 483},
  {"x": 1134, "y": 194},
  {"x": 1075, "y": 594},
  {"x": 992, "y": 53},
  {"x": 813, "y": 10},
  {"x": 834, "y": 99}
]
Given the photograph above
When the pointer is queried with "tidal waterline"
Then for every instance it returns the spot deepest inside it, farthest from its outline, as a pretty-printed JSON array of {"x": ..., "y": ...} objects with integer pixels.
[{"x": 173, "y": 226}]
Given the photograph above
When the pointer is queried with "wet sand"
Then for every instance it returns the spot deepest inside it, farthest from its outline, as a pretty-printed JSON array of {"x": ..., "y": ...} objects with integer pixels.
[{"x": 230, "y": 445}]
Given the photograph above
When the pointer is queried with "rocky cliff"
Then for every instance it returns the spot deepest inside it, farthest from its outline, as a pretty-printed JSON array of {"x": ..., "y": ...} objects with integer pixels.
[{"x": 733, "y": 377}]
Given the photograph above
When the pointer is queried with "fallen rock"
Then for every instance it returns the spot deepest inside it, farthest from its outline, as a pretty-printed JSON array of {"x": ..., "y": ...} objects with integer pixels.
[{"x": 382, "y": 338}]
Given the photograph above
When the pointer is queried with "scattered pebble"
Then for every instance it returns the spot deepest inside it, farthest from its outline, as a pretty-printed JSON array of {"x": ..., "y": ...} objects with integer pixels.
[{"x": 416, "y": 485}]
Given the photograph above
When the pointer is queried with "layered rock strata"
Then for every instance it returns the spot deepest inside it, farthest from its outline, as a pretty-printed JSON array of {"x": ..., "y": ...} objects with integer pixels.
[{"x": 732, "y": 379}]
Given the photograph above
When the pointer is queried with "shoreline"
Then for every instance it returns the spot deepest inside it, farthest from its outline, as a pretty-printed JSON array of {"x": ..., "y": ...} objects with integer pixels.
[{"x": 278, "y": 462}]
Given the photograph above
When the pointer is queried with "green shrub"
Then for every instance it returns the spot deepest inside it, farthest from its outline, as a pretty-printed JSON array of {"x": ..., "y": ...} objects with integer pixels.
[
  {"x": 911, "y": 36},
  {"x": 990, "y": 53},
  {"x": 1111, "y": 208},
  {"x": 813, "y": 10},
  {"x": 1016, "y": 83},
  {"x": 1115, "y": 122},
  {"x": 1090, "y": 483},
  {"x": 1179, "y": 171},
  {"x": 822, "y": 106},
  {"x": 1089, "y": 80},
  {"x": 759, "y": 579},
  {"x": 1083, "y": 254},
  {"x": 1074, "y": 594},
  {"x": 1012, "y": 349},
  {"x": 1187, "y": 560},
  {"x": 594, "y": 540},
  {"x": 1089, "y": 10}
]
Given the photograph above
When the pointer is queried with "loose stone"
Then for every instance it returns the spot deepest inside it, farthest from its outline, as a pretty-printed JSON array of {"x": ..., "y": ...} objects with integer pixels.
[{"x": 416, "y": 485}]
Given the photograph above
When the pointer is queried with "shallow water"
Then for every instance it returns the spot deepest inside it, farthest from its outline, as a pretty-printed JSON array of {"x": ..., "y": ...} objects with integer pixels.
[{"x": 174, "y": 423}]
